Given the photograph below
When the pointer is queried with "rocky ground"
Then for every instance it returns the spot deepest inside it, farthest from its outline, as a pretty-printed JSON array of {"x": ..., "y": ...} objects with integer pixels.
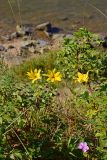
[{"x": 28, "y": 41}]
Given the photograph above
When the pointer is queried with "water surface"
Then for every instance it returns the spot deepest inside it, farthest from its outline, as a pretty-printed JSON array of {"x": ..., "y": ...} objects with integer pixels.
[{"x": 66, "y": 14}]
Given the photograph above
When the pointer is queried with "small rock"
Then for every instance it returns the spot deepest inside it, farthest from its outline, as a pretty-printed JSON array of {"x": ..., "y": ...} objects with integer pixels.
[
  {"x": 25, "y": 29},
  {"x": 11, "y": 47},
  {"x": 69, "y": 35},
  {"x": 2, "y": 48},
  {"x": 44, "y": 26},
  {"x": 28, "y": 43},
  {"x": 28, "y": 29},
  {"x": 42, "y": 43},
  {"x": 48, "y": 29},
  {"x": 20, "y": 30},
  {"x": 48, "y": 34},
  {"x": 58, "y": 36},
  {"x": 23, "y": 51},
  {"x": 14, "y": 35},
  {"x": 39, "y": 51},
  {"x": 5, "y": 38},
  {"x": 31, "y": 49}
]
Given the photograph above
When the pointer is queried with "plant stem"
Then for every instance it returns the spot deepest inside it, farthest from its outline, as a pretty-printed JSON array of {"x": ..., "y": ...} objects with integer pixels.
[{"x": 9, "y": 2}]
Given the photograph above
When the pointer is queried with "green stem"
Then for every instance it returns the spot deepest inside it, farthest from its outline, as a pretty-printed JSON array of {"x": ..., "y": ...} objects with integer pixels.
[
  {"x": 19, "y": 10},
  {"x": 9, "y": 2}
]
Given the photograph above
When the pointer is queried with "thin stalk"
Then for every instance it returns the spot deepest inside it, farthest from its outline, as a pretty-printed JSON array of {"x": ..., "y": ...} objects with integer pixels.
[
  {"x": 84, "y": 10},
  {"x": 97, "y": 9},
  {"x": 15, "y": 121},
  {"x": 19, "y": 10},
  {"x": 21, "y": 143},
  {"x": 12, "y": 11}
]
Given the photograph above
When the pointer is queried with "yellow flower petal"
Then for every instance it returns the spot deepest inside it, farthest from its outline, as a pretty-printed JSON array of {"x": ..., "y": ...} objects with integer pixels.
[
  {"x": 82, "y": 77},
  {"x": 34, "y": 75},
  {"x": 53, "y": 76}
]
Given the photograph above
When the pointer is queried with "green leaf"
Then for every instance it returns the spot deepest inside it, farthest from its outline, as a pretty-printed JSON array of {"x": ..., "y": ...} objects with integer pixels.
[{"x": 1, "y": 120}]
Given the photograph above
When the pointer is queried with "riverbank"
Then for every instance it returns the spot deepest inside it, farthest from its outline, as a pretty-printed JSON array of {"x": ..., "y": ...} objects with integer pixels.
[{"x": 29, "y": 41}]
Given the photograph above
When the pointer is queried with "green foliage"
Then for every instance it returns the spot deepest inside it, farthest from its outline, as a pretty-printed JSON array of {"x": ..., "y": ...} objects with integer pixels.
[
  {"x": 94, "y": 119},
  {"x": 44, "y": 62},
  {"x": 47, "y": 121},
  {"x": 79, "y": 54}
]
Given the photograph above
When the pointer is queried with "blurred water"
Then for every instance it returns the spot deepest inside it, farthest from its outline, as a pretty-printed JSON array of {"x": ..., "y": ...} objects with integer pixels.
[{"x": 66, "y": 14}]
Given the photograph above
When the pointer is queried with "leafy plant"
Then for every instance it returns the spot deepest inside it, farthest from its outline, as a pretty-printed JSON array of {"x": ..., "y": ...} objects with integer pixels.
[
  {"x": 44, "y": 119},
  {"x": 79, "y": 54}
]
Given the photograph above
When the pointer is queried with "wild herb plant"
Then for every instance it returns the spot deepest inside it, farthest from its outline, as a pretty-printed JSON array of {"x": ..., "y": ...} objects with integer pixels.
[
  {"x": 79, "y": 54},
  {"x": 42, "y": 119}
]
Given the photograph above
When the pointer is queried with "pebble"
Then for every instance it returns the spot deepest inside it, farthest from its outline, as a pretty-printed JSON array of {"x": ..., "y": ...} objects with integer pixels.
[
  {"x": 44, "y": 26},
  {"x": 2, "y": 48}
]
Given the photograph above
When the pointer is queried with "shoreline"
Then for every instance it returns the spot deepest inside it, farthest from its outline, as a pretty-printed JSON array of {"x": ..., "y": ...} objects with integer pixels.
[{"x": 28, "y": 41}]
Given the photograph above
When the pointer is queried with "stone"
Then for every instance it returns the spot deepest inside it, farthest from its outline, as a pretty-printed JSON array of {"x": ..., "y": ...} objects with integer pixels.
[
  {"x": 11, "y": 47},
  {"x": 14, "y": 35},
  {"x": 31, "y": 49},
  {"x": 5, "y": 38},
  {"x": 23, "y": 51},
  {"x": 25, "y": 29},
  {"x": 69, "y": 35},
  {"x": 48, "y": 34},
  {"x": 2, "y": 48},
  {"x": 20, "y": 30},
  {"x": 58, "y": 36},
  {"x": 28, "y": 29},
  {"x": 42, "y": 43},
  {"x": 27, "y": 47},
  {"x": 44, "y": 26},
  {"x": 28, "y": 43},
  {"x": 10, "y": 37},
  {"x": 48, "y": 29}
]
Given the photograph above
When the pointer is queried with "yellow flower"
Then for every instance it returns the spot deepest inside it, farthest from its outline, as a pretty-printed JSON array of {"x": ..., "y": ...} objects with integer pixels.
[
  {"x": 82, "y": 77},
  {"x": 34, "y": 76},
  {"x": 53, "y": 76}
]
